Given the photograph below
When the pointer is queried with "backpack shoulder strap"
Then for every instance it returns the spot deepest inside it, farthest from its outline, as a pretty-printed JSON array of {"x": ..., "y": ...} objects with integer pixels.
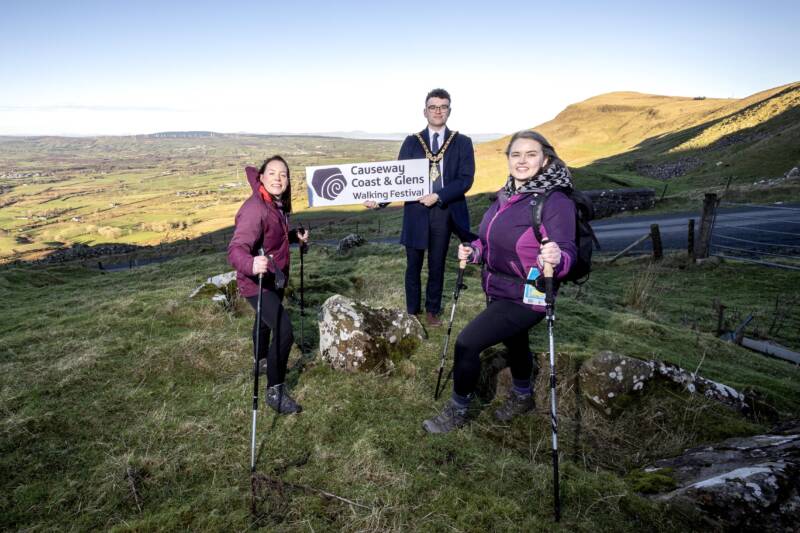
[{"x": 537, "y": 206}]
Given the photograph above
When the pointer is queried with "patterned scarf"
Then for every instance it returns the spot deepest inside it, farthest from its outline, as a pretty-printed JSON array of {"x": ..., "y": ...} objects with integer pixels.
[{"x": 555, "y": 175}]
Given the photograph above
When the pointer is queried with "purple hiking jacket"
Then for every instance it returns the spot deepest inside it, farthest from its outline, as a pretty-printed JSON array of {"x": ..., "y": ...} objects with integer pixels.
[
  {"x": 506, "y": 243},
  {"x": 259, "y": 224}
]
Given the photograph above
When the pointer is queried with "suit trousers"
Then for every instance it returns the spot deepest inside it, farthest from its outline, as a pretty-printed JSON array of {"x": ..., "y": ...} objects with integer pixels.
[{"x": 438, "y": 243}]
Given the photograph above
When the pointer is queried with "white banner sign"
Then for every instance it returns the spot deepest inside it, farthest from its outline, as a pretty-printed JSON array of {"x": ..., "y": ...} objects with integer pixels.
[{"x": 355, "y": 183}]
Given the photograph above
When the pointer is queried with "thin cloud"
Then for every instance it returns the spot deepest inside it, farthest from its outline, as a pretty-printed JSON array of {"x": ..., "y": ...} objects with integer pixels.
[{"x": 102, "y": 108}]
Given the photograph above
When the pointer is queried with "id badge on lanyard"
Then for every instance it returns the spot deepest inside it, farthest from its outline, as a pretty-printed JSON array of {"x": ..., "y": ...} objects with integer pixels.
[{"x": 532, "y": 296}]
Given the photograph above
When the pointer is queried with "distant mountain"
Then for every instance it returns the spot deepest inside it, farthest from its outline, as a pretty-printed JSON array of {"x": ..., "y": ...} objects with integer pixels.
[
  {"x": 365, "y": 135},
  {"x": 687, "y": 140},
  {"x": 182, "y": 134}
]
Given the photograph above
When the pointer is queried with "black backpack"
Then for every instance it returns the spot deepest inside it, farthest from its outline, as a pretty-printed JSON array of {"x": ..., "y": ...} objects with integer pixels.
[{"x": 584, "y": 234}]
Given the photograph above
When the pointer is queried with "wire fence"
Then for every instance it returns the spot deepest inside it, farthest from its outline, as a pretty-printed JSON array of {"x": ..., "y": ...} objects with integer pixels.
[{"x": 772, "y": 240}]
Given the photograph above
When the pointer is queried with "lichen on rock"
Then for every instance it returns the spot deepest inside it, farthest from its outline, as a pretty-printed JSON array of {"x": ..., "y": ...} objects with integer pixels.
[{"x": 356, "y": 337}]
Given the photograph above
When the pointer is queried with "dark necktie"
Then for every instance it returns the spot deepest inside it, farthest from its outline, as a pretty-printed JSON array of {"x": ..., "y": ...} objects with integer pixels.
[{"x": 437, "y": 184}]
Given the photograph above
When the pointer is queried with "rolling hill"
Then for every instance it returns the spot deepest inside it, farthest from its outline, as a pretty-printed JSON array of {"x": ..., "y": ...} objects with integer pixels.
[{"x": 637, "y": 138}]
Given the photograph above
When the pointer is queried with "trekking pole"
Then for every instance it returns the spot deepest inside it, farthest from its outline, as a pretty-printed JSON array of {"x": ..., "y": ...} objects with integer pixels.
[
  {"x": 549, "y": 304},
  {"x": 303, "y": 250},
  {"x": 456, "y": 291},
  {"x": 255, "y": 371}
]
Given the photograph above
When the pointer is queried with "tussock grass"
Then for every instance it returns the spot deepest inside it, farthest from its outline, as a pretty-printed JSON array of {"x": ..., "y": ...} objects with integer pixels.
[{"x": 124, "y": 406}]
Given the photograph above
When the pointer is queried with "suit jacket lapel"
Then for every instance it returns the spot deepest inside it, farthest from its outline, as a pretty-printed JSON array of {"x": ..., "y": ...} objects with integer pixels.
[
  {"x": 446, "y": 159},
  {"x": 426, "y": 138}
]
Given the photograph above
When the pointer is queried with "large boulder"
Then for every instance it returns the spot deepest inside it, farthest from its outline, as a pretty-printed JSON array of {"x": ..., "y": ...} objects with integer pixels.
[
  {"x": 495, "y": 380},
  {"x": 741, "y": 484},
  {"x": 610, "y": 382},
  {"x": 349, "y": 242},
  {"x": 221, "y": 288},
  {"x": 356, "y": 337}
]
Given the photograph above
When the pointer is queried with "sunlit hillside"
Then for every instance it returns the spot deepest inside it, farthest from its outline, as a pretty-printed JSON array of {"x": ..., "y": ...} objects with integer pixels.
[{"x": 668, "y": 136}]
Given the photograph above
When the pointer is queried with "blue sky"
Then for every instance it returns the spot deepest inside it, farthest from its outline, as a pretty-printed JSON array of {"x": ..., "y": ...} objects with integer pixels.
[{"x": 120, "y": 67}]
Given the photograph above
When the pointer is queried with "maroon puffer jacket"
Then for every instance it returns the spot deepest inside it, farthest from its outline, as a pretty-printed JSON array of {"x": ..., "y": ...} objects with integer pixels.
[{"x": 259, "y": 224}]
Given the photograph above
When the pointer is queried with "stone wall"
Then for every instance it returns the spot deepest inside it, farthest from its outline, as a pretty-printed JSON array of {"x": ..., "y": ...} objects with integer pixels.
[{"x": 610, "y": 201}]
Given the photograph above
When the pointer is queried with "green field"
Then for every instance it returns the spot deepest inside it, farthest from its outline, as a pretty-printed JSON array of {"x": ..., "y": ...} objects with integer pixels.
[
  {"x": 126, "y": 406},
  {"x": 143, "y": 190}
]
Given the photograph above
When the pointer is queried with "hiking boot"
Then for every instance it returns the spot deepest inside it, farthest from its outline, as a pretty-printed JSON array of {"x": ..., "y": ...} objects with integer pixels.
[
  {"x": 453, "y": 416},
  {"x": 433, "y": 320},
  {"x": 279, "y": 400},
  {"x": 515, "y": 404}
]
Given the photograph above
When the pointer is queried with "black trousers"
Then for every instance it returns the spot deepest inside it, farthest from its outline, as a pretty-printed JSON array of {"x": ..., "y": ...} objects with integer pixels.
[
  {"x": 501, "y": 321},
  {"x": 274, "y": 319},
  {"x": 438, "y": 243}
]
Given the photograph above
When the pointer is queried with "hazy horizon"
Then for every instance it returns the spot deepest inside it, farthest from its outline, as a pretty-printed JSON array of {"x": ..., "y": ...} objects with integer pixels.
[
  {"x": 120, "y": 69},
  {"x": 353, "y": 135}
]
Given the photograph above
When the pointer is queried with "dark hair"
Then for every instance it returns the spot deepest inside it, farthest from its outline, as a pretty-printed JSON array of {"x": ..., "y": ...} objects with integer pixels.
[
  {"x": 437, "y": 93},
  {"x": 547, "y": 148},
  {"x": 286, "y": 196}
]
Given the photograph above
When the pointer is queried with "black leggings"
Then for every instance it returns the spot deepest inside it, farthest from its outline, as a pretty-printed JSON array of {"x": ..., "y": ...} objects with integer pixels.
[
  {"x": 501, "y": 321},
  {"x": 274, "y": 318}
]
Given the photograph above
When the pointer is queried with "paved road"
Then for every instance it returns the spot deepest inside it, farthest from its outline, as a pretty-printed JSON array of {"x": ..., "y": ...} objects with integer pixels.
[{"x": 766, "y": 229}]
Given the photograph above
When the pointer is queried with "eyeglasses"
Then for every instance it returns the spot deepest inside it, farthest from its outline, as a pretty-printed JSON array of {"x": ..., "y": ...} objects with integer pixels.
[{"x": 443, "y": 108}]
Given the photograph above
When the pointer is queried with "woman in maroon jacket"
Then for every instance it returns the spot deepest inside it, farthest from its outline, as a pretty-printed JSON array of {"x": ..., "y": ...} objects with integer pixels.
[{"x": 263, "y": 223}]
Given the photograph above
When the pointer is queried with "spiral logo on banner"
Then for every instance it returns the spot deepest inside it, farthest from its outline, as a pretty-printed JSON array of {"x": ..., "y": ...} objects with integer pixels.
[{"x": 328, "y": 182}]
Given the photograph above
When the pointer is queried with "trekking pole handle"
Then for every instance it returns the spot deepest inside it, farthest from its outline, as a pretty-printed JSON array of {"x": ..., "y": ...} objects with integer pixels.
[
  {"x": 303, "y": 245},
  {"x": 261, "y": 253},
  {"x": 547, "y": 270},
  {"x": 462, "y": 265}
]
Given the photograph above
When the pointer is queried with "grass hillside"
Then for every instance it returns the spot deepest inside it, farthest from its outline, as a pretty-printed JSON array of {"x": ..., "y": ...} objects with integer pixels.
[
  {"x": 627, "y": 138},
  {"x": 124, "y": 406}
]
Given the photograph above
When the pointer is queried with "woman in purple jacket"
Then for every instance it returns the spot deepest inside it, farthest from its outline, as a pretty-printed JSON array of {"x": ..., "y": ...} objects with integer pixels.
[
  {"x": 510, "y": 254},
  {"x": 263, "y": 223}
]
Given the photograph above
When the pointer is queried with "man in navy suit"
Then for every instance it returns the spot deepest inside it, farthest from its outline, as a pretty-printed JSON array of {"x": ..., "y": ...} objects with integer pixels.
[{"x": 428, "y": 222}]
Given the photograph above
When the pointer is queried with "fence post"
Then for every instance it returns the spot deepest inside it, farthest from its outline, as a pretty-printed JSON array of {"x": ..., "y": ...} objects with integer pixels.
[
  {"x": 690, "y": 239},
  {"x": 706, "y": 225},
  {"x": 655, "y": 237},
  {"x": 720, "y": 308}
]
